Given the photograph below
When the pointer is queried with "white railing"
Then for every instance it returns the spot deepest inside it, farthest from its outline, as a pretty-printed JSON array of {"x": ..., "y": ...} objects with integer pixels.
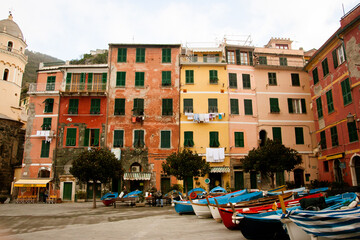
[
  {"x": 44, "y": 87},
  {"x": 201, "y": 59}
]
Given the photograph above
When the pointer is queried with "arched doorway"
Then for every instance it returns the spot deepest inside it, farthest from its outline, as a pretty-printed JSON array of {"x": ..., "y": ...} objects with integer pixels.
[
  {"x": 337, "y": 171},
  {"x": 299, "y": 177},
  {"x": 356, "y": 161},
  {"x": 44, "y": 173}
]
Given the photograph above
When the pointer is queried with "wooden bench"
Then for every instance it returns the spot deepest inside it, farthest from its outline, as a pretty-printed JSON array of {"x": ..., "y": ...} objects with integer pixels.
[{"x": 126, "y": 201}]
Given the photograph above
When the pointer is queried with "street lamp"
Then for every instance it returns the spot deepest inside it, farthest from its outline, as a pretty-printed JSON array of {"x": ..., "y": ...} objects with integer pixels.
[{"x": 351, "y": 119}]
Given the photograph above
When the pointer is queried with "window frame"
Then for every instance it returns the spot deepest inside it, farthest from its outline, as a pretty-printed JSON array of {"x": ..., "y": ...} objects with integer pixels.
[
  {"x": 166, "y": 55},
  {"x": 274, "y": 105},
  {"x": 138, "y": 106},
  {"x": 188, "y": 139},
  {"x": 139, "y": 79},
  {"x": 95, "y": 106},
  {"x": 323, "y": 140},
  {"x": 234, "y": 106},
  {"x": 139, "y": 135},
  {"x": 248, "y": 109},
  {"x": 330, "y": 101},
  {"x": 346, "y": 92},
  {"x": 262, "y": 60},
  {"x": 120, "y": 79},
  {"x": 50, "y": 83},
  {"x": 122, "y": 55},
  {"x": 188, "y": 108},
  {"x": 213, "y": 76},
  {"x": 45, "y": 149},
  {"x": 119, "y": 106},
  {"x": 352, "y": 132},
  {"x": 272, "y": 78},
  {"x": 189, "y": 76},
  {"x": 213, "y": 105},
  {"x": 283, "y": 61},
  {"x": 118, "y": 141},
  {"x": 165, "y": 135},
  {"x": 334, "y": 137},
  {"x": 73, "y": 106},
  {"x": 46, "y": 124},
  {"x": 299, "y": 136},
  {"x": 325, "y": 67},
  {"x": 167, "y": 107},
  {"x": 166, "y": 78},
  {"x": 140, "y": 55},
  {"x": 239, "y": 139},
  {"x": 233, "y": 80},
  {"x": 319, "y": 107},
  {"x": 277, "y": 136},
  {"x": 49, "y": 105},
  {"x": 214, "y": 139},
  {"x": 246, "y": 81},
  {"x": 71, "y": 134},
  {"x": 295, "y": 79},
  {"x": 315, "y": 75}
]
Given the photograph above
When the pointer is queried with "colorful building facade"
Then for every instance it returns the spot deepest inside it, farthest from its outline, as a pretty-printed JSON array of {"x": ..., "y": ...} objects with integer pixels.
[
  {"x": 335, "y": 78},
  {"x": 143, "y": 111}
]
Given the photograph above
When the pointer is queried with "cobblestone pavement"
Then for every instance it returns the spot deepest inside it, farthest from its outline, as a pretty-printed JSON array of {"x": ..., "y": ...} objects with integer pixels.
[{"x": 80, "y": 221}]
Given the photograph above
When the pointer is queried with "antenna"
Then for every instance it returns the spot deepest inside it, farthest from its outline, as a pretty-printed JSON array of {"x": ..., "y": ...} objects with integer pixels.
[{"x": 343, "y": 8}]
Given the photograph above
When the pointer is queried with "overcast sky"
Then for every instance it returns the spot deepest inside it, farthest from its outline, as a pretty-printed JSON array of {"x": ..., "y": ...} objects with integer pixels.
[{"x": 66, "y": 29}]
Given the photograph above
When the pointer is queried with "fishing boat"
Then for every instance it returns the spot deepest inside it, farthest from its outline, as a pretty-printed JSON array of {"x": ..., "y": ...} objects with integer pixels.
[
  {"x": 270, "y": 224},
  {"x": 325, "y": 224},
  {"x": 109, "y": 198},
  {"x": 184, "y": 206}
]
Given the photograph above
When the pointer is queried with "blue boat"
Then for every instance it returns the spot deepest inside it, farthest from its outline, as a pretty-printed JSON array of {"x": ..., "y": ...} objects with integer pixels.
[
  {"x": 133, "y": 194},
  {"x": 109, "y": 198},
  {"x": 184, "y": 206}
]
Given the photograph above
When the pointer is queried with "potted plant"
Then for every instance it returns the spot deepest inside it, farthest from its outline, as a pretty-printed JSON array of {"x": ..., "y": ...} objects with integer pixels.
[{"x": 81, "y": 196}]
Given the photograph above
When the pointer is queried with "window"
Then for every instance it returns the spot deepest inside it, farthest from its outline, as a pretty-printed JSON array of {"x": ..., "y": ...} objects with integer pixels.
[
  {"x": 246, "y": 81},
  {"x": 213, "y": 74},
  {"x": 248, "y": 107},
  {"x": 122, "y": 54},
  {"x": 138, "y": 106},
  {"x": 297, "y": 105},
  {"x": 295, "y": 79},
  {"x": 262, "y": 60},
  {"x": 188, "y": 105},
  {"x": 211, "y": 58},
  {"x": 326, "y": 166},
  {"x": 119, "y": 108},
  {"x": 139, "y": 79},
  {"x": 319, "y": 107},
  {"x": 214, "y": 139},
  {"x": 231, "y": 57},
  {"x": 212, "y": 105},
  {"x": 188, "y": 139},
  {"x": 315, "y": 75},
  {"x": 346, "y": 91},
  {"x": 239, "y": 139},
  {"x": 10, "y": 46},
  {"x": 45, "y": 149},
  {"x": 334, "y": 137},
  {"x": 352, "y": 131},
  {"x": 118, "y": 138},
  {"x": 49, "y": 105},
  {"x": 167, "y": 107},
  {"x": 120, "y": 79},
  {"x": 73, "y": 106},
  {"x": 95, "y": 106},
  {"x": 166, "y": 55},
  {"x": 283, "y": 61},
  {"x": 330, "y": 102},
  {"x": 281, "y": 46},
  {"x": 299, "y": 135},
  {"x": 274, "y": 105},
  {"x": 323, "y": 140},
  {"x": 50, "y": 83},
  {"x": 165, "y": 139},
  {"x": 244, "y": 58},
  {"x": 277, "y": 134},
  {"x": 6, "y": 74},
  {"x": 166, "y": 78},
  {"x": 234, "y": 106},
  {"x": 46, "y": 124},
  {"x": 232, "y": 80},
  {"x": 139, "y": 139},
  {"x": 91, "y": 137},
  {"x": 189, "y": 75},
  {"x": 338, "y": 56},
  {"x": 140, "y": 55},
  {"x": 272, "y": 78},
  {"x": 71, "y": 137},
  {"x": 325, "y": 67}
]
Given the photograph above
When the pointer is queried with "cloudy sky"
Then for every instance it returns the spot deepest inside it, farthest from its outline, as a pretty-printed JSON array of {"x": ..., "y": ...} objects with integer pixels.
[{"x": 66, "y": 29}]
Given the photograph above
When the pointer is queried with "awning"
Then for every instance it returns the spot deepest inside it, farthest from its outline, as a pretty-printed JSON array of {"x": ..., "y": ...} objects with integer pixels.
[
  {"x": 220, "y": 170},
  {"x": 137, "y": 176},
  {"x": 32, "y": 182},
  {"x": 331, "y": 157}
]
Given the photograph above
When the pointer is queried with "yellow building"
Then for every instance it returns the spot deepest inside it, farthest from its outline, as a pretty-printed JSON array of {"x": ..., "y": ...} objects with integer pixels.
[{"x": 204, "y": 112}]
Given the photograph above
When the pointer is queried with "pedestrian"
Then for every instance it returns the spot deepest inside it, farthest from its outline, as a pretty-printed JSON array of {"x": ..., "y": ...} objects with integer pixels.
[{"x": 159, "y": 199}]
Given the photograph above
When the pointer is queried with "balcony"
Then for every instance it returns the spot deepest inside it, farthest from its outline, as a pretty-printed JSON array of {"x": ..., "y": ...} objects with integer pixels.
[
  {"x": 13, "y": 52},
  {"x": 204, "y": 60},
  {"x": 83, "y": 88},
  {"x": 271, "y": 63},
  {"x": 44, "y": 88}
]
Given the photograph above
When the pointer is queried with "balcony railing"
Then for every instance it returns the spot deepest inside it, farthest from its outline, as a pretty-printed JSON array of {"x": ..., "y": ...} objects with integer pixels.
[
  {"x": 44, "y": 87},
  {"x": 201, "y": 59},
  {"x": 269, "y": 62},
  {"x": 85, "y": 88}
]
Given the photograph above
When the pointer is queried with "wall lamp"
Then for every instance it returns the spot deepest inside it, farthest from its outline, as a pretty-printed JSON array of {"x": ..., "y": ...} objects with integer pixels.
[{"x": 351, "y": 118}]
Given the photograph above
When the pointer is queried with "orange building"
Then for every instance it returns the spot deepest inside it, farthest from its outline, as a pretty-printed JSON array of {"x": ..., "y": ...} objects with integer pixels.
[{"x": 143, "y": 111}]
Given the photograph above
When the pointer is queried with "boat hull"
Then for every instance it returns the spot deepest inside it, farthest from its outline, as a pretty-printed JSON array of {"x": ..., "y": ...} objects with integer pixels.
[
  {"x": 183, "y": 207},
  {"x": 108, "y": 202},
  {"x": 201, "y": 210},
  {"x": 226, "y": 217},
  {"x": 215, "y": 213}
]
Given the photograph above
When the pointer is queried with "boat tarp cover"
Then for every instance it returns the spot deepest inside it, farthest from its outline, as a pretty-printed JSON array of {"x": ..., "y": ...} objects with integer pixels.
[
  {"x": 224, "y": 199},
  {"x": 246, "y": 197},
  {"x": 218, "y": 189},
  {"x": 133, "y": 194},
  {"x": 336, "y": 224},
  {"x": 196, "y": 190},
  {"x": 110, "y": 195}
]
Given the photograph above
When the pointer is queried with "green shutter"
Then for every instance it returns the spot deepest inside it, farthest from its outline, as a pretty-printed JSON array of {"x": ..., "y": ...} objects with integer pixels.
[
  {"x": 346, "y": 91},
  {"x": 188, "y": 105},
  {"x": 239, "y": 139},
  {"x": 50, "y": 84},
  {"x": 73, "y": 106},
  {"x": 45, "y": 148},
  {"x": 166, "y": 55},
  {"x": 299, "y": 135},
  {"x": 214, "y": 139},
  {"x": 319, "y": 107},
  {"x": 140, "y": 55},
  {"x": 165, "y": 139},
  {"x": 334, "y": 137},
  {"x": 138, "y": 106},
  {"x": 104, "y": 80},
  {"x": 234, "y": 106},
  {"x": 189, "y": 76},
  {"x": 213, "y": 76},
  {"x": 68, "y": 81},
  {"x": 251, "y": 58},
  {"x": 323, "y": 140},
  {"x": 120, "y": 79},
  {"x": 90, "y": 79},
  {"x": 166, "y": 78},
  {"x": 96, "y": 137},
  {"x": 248, "y": 107},
  {"x": 118, "y": 138},
  {"x": 277, "y": 134},
  {"x": 238, "y": 61},
  {"x": 188, "y": 139},
  {"x": 325, "y": 67},
  {"x": 95, "y": 106},
  {"x": 334, "y": 55},
  {"x": 82, "y": 81},
  {"x": 212, "y": 105},
  {"x": 167, "y": 108},
  {"x": 86, "y": 137},
  {"x": 139, "y": 79},
  {"x": 139, "y": 138},
  {"x": 232, "y": 80},
  {"x": 122, "y": 52},
  {"x": 246, "y": 81},
  {"x": 329, "y": 100},
  {"x": 352, "y": 131},
  {"x": 46, "y": 124},
  {"x": 303, "y": 105},
  {"x": 71, "y": 137},
  {"x": 290, "y": 105},
  {"x": 49, "y": 104},
  {"x": 274, "y": 105},
  {"x": 119, "y": 108},
  {"x": 315, "y": 76}
]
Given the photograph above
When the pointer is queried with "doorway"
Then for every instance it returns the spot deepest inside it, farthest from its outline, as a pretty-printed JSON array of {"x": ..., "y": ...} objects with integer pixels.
[
  {"x": 299, "y": 177},
  {"x": 215, "y": 180},
  {"x": 338, "y": 172},
  {"x": 165, "y": 185},
  {"x": 357, "y": 169},
  {"x": 89, "y": 190},
  {"x": 67, "y": 192},
  {"x": 239, "y": 180}
]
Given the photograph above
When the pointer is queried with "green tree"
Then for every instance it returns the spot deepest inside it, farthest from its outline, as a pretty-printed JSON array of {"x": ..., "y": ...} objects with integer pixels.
[
  {"x": 185, "y": 164},
  {"x": 96, "y": 165},
  {"x": 271, "y": 158}
]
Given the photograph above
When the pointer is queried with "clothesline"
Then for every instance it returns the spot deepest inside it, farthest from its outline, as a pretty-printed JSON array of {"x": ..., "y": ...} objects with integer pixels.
[{"x": 204, "y": 117}]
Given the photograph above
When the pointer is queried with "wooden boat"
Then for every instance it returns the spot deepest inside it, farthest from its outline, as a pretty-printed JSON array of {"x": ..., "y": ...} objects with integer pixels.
[
  {"x": 270, "y": 224},
  {"x": 183, "y": 206},
  {"x": 109, "y": 198}
]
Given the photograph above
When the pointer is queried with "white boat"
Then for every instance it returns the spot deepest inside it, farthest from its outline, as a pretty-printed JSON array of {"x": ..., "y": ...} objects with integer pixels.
[{"x": 201, "y": 208}]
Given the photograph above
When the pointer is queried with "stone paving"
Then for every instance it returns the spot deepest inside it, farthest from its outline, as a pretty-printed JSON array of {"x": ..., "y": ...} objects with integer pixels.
[{"x": 81, "y": 221}]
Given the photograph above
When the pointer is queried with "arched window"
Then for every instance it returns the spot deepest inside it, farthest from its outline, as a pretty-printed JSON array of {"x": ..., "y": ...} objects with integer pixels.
[
  {"x": 6, "y": 74},
  {"x": 10, "y": 46},
  {"x": 44, "y": 173}
]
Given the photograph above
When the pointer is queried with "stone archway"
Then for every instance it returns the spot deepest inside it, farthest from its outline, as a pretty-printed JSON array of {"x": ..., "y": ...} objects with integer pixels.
[{"x": 355, "y": 169}]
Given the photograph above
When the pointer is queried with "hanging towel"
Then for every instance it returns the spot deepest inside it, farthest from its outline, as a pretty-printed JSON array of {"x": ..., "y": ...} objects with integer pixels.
[
  {"x": 196, "y": 117},
  {"x": 220, "y": 116},
  {"x": 209, "y": 155},
  {"x": 216, "y": 155},
  {"x": 202, "y": 117},
  {"x": 222, "y": 154}
]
